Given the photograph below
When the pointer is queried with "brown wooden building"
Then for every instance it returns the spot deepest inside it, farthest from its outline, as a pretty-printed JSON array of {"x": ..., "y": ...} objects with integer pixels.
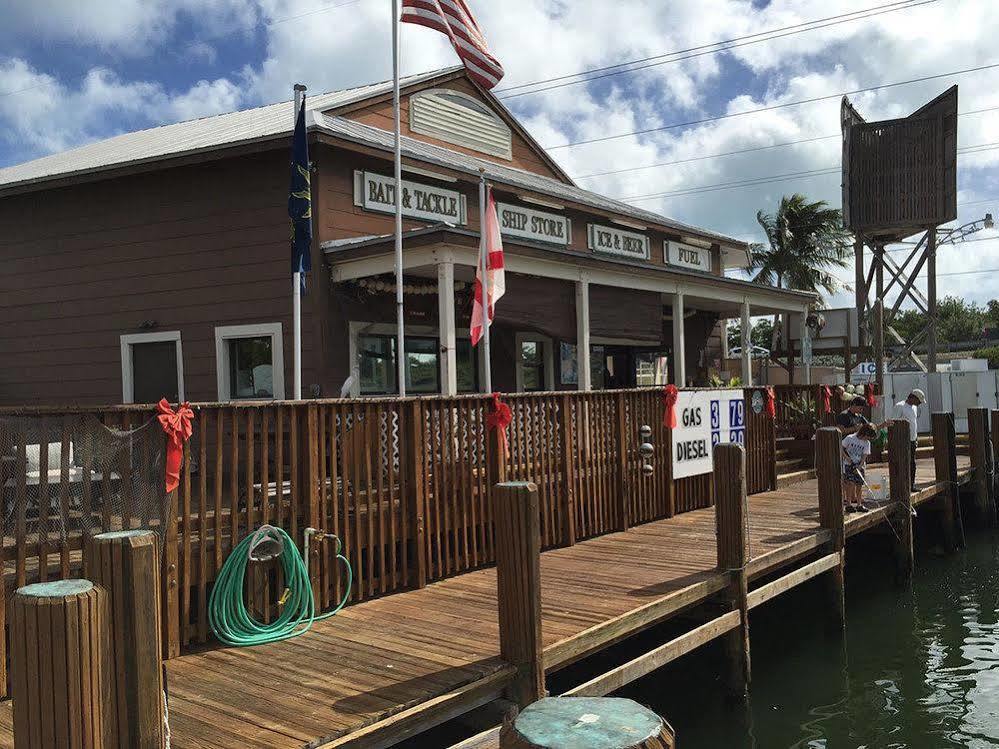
[{"x": 157, "y": 262}]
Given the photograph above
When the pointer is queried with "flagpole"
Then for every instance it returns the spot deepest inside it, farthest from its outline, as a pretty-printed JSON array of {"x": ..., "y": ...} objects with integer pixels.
[
  {"x": 296, "y": 281},
  {"x": 400, "y": 345},
  {"x": 484, "y": 261}
]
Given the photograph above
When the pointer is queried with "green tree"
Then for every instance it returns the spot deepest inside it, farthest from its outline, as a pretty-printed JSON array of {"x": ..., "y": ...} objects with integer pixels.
[
  {"x": 957, "y": 320},
  {"x": 761, "y": 335},
  {"x": 806, "y": 241}
]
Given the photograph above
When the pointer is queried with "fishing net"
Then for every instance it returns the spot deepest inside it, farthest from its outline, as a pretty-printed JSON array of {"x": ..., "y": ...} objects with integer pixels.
[{"x": 67, "y": 476}]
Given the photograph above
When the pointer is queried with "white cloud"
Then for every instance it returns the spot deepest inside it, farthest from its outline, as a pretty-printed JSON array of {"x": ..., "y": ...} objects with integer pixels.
[{"x": 327, "y": 47}]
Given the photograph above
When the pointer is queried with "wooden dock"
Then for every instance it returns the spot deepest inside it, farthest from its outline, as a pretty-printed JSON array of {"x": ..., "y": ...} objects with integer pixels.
[{"x": 387, "y": 668}]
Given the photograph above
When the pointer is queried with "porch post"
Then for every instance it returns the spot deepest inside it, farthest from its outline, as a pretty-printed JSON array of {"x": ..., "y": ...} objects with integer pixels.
[
  {"x": 445, "y": 315},
  {"x": 679, "y": 347},
  {"x": 583, "y": 334},
  {"x": 747, "y": 346},
  {"x": 803, "y": 333}
]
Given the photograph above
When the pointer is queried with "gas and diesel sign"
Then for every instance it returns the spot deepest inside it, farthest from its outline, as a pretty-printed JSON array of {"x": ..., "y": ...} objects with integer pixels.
[{"x": 705, "y": 418}]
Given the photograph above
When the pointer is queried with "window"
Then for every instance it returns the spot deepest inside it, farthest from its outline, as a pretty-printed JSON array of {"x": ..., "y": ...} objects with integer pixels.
[
  {"x": 458, "y": 118},
  {"x": 152, "y": 367},
  {"x": 249, "y": 362},
  {"x": 532, "y": 364},
  {"x": 378, "y": 364},
  {"x": 650, "y": 369},
  {"x": 597, "y": 366},
  {"x": 535, "y": 366}
]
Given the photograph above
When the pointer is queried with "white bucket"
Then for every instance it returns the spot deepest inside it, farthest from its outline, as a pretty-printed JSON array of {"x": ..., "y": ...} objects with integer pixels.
[{"x": 877, "y": 487}]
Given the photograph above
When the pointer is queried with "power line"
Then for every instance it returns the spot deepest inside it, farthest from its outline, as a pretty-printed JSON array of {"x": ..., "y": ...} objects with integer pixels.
[
  {"x": 767, "y": 179},
  {"x": 740, "y": 151},
  {"x": 773, "y": 107},
  {"x": 710, "y": 48}
]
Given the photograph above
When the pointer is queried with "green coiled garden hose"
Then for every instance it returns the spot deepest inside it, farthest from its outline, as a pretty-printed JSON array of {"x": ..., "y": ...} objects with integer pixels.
[{"x": 227, "y": 613}]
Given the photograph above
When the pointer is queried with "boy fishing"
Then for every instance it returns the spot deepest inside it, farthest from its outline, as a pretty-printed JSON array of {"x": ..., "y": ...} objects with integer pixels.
[{"x": 855, "y": 449}]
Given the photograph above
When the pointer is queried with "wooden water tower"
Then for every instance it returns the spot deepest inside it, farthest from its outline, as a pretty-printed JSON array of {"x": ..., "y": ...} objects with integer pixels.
[{"x": 899, "y": 180}]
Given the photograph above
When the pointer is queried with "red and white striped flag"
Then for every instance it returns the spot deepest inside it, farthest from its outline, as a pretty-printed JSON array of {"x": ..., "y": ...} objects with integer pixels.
[
  {"x": 452, "y": 17},
  {"x": 497, "y": 277}
]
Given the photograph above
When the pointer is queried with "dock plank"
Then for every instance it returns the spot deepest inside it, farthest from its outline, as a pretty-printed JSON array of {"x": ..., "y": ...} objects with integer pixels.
[{"x": 386, "y": 656}]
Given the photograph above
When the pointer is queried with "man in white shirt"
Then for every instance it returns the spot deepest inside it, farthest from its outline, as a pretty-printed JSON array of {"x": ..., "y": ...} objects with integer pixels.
[{"x": 908, "y": 410}]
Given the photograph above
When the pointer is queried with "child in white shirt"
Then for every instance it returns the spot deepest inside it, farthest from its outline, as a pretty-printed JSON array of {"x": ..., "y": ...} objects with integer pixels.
[{"x": 855, "y": 449}]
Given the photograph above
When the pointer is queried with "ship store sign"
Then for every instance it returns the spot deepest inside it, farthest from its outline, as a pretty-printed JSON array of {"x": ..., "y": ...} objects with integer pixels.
[
  {"x": 376, "y": 192},
  {"x": 516, "y": 221},
  {"x": 705, "y": 418},
  {"x": 611, "y": 241}
]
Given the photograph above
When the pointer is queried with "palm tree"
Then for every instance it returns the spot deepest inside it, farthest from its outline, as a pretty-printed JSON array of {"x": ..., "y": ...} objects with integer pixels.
[{"x": 805, "y": 242}]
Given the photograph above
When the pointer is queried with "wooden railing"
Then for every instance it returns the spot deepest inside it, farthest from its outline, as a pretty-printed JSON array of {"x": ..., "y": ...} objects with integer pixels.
[{"x": 403, "y": 483}]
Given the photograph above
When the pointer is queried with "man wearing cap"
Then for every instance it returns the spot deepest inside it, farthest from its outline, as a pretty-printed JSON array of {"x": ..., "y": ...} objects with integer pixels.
[{"x": 908, "y": 410}]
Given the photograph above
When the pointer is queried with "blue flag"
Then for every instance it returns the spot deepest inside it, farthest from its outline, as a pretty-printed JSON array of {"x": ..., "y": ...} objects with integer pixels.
[{"x": 300, "y": 200}]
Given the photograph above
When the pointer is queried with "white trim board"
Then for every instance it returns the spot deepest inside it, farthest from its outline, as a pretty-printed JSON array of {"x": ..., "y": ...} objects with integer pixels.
[
  {"x": 224, "y": 333},
  {"x": 127, "y": 370}
]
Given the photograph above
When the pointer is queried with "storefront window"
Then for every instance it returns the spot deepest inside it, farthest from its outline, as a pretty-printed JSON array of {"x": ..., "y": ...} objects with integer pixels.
[
  {"x": 532, "y": 364},
  {"x": 250, "y": 368},
  {"x": 422, "y": 365},
  {"x": 597, "y": 365},
  {"x": 650, "y": 369},
  {"x": 468, "y": 371},
  {"x": 377, "y": 366}
]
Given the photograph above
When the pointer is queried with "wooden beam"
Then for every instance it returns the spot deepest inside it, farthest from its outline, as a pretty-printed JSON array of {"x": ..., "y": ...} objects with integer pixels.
[
  {"x": 732, "y": 541},
  {"x": 980, "y": 445},
  {"x": 746, "y": 354},
  {"x": 446, "y": 327},
  {"x": 606, "y": 633},
  {"x": 518, "y": 587},
  {"x": 781, "y": 585},
  {"x": 828, "y": 471},
  {"x": 583, "y": 335},
  {"x": 422, "y": 717},
  {"x": 679, "y": 345},
  {"x": 900, "y": 478},
  {"x": 658, "y": 657},
  {"x": 774, "y": 560},
  {"x": 945, "y": 466}
]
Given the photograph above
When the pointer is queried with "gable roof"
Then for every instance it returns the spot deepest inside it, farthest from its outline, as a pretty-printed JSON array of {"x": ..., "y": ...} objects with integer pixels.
[
  {"x": 274, "y": 121},
  {"x": 191, "y": 136},
  {"x": 356, "y": 132}
]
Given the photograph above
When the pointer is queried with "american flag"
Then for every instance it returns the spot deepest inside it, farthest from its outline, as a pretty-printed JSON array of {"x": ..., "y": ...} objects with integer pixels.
[
  {"x": 452, "y": 17},
  {"x": 493, "y": 246}
]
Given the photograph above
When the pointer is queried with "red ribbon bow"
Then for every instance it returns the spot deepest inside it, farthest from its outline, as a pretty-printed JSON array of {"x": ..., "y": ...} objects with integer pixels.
[
  {"x": 499, "y": 418},
  {"x": 177, "y": 425},
  {"x": 670, "y": 396},
  {"x": 826, "y": 393},
  {"x": 771, "y": 401},
  {"x": 869, "y": 394}
]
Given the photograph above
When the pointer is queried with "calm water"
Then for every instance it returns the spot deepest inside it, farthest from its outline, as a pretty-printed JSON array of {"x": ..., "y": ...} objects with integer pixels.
[{"x": 918, "y": 667}]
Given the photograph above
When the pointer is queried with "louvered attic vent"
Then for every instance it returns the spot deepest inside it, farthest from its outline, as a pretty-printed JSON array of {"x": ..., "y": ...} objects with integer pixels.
[{"x": 454, "y": 117}]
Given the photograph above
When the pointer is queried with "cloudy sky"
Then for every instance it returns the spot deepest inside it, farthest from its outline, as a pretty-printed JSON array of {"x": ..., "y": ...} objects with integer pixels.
[{"x": 73, "y": 72}]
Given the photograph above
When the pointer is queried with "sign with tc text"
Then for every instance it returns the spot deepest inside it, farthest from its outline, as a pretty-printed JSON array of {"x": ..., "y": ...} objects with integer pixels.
[
  {"x": 705, "y": 418},
  {"x": 376, "y": 192},
  {"x": 611, "y": 241}
]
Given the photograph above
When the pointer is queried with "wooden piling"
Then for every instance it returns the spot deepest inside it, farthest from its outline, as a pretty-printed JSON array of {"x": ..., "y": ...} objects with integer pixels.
[
  {"x": 568, "y": 722},
  {"x": 828, "y": 471},
  {"x": 518, "y": 584},
  {"x": 125, "y": 564},
  {"x": 60, "y": 666},
  {"x": 731, "y": 522},
  {"x": 900, "y": 480},
  {"x": 980, "y": 445},
  {"x": 945, "y": 466}
]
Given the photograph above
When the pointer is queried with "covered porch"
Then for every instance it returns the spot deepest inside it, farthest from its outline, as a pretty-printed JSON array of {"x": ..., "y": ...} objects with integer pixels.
[{"x": 568, "y": 321}]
